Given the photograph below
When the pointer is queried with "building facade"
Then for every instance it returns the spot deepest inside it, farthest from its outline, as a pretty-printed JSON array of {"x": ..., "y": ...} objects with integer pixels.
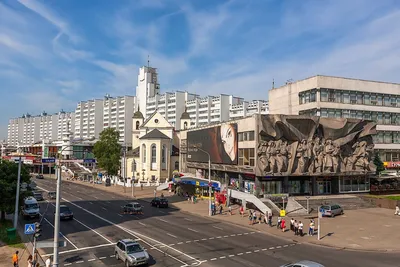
[
  {"x": 336, "y": 97},
  {"x": 275, "y": 154}
]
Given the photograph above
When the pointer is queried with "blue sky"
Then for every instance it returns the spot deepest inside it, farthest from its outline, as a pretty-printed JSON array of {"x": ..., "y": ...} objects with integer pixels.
[{"x": 54, "y": 53}]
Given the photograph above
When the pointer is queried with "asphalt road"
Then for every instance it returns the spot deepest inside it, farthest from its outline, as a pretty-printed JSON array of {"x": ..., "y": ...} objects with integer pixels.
[{"x": 173, "y": 238}]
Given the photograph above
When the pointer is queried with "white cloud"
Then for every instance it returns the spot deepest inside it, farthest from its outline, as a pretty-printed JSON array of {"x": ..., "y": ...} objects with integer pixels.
[{"x": 13, "y": 44}]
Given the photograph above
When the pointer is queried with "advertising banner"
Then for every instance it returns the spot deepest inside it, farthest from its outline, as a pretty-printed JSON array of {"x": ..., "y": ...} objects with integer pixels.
[{"x": 220, "y": 142}]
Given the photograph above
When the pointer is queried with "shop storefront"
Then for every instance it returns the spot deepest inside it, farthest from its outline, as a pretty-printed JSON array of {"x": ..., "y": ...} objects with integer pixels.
[
  {"x": 299, "y": 186},
  {"x": 324, "y": 186},
  {"x": 271, "y": 187},
  {"x": 199, "y": 187},
  {"x": 354, "y": 184}
]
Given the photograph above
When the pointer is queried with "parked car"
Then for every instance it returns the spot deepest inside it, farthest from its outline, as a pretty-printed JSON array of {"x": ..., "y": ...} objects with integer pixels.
[
  {"x": 31, "y": 186},
  {"x": 51, "y": 195},
  {"x": 38, "y": 196},
  {"x": 331, "y": 210},
  {"x": 131, "y": 253},
  {"x": 133, "y": 207},
  {"x": 108, "y": 182},
  {"x": 304, "y": 263},
  {"x": 66, "y": 213},
  {"x": 159, "y": 202},
  {"x": 39, "y": 176}
]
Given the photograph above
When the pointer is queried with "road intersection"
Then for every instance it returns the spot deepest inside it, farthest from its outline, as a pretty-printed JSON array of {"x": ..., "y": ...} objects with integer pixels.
[{"x": 173, "y": 238}]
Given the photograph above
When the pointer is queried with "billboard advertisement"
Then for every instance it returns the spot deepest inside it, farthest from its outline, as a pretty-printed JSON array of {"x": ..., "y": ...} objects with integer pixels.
[{"x": 220, "y": 142}]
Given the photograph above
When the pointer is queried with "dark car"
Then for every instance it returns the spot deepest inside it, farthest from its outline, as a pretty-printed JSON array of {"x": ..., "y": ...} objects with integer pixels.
[
  {"x": 159, "y": 202},
  {"x": 52, "y": 195},
  {"x": 66, "y": 213},
  {"x": 38, "y": 196},
  {"x": 39, "y": 176}
]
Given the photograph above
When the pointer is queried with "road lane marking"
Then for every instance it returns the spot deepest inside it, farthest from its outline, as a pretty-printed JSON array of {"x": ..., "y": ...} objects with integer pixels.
[
  {"x": 108, "y": 202},
  {"x": 60, "y": 233},
  {"x": 180, "y": 243},
  {"x": 239, "y": 234},
  {"x": 136, "y": 235},
  {"x": 222, "y": 257},
  {"x": 233, "y": 235},
  {"x": 142, "y": 224},
  {"x": 79, "y": 262},
  {"x": 248, "y": 252},
  {"x": 264, "y": 249},
  {"x": 112, "y": 256},
  {"x": 240, "y": 254},
  {"x": 92, "y": 260},
  {"x": 102, "y": 258},
  {"x": 190, "y": 229},
  {"x": 67, "y": 264},
  {"x": 96, "y": 197},
  {"x": 80, "y": 249},
  {"x": 163, "y": 212},
  {"x": 174, "y": 236},
  {"x": 161, "y": 220},
  {"x": 219, "y": 228},
  {"x": 213, "y": 259},
  {"x": 103, "y": 208},
  {"x": 80, "y": 198},
  {"x": 231, "y": 255},
  {"x": 187, "y": 219},
  {"x": 211, "y": 238},
  {"x": 90, "y": 202},
  {"x": 257, "y": 250},
  {"x": 119, "y": 215}
]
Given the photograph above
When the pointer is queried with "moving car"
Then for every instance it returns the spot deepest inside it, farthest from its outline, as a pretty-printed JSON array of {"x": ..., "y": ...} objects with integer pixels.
[
  {"x": 66, "y": 213},
  {"x": 159, "y": 202},
  {"x": 38, "y": 196},
  {"x": 304, "y": 263},
  {"x": 131, "y": 253},
  {"x": 51, "y": 195},
  {"x": 30, "y": 209},
  {"x": 331, "y": 210},
  {"x": 133, "y": 207},
  {"x": 39, "y": 176}
]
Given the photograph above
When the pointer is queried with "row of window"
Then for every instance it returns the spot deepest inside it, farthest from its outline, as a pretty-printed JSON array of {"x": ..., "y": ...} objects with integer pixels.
[
  {"x": 387, "y": 138},
  {"x": 350, "y": 97},
  {"x": 246, "y": 157},
  {"x": 246, "y": 136},
  {"x": 378, "y": 117}
]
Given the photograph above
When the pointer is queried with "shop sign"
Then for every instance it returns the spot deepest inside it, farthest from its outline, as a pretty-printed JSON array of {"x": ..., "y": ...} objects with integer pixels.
[{"x": 393, "y": 164}]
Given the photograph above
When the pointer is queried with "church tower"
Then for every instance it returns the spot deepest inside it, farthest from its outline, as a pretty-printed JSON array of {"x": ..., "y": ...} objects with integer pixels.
[
  {"x": 185, "y": 120},
  {"x": 138, "y": 120}
]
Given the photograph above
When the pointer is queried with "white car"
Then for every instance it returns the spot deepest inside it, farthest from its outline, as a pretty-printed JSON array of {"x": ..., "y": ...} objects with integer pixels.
[
  {"x": 131, "y": 253},
  {"x": 304, "y": 263},
  {"x": 30, "y": 209}
]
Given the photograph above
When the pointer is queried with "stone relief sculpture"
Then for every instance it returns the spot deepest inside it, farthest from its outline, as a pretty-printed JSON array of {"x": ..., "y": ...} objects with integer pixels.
[{"x": 302, "y": 145}]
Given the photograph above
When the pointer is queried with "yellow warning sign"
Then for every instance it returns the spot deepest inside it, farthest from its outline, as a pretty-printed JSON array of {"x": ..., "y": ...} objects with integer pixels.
[{"x": 282, "y": 213}]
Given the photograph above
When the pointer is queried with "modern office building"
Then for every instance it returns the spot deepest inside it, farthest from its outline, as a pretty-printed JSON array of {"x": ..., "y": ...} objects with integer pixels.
[{"x": 337, "y": 97}]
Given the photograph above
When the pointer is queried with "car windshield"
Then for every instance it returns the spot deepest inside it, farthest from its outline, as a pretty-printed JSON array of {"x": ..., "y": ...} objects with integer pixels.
[
  {"x": 137, "y": 206},
  {"x": 325, "y": 207},
  {"x": 134, "y": 248},
  {"x": 64, "y": 209},
  {"x": 52, "y": 193},
  {"x": 163, "y": 199},
  {"x": 31, "y": 206},
  {"x": 37, "y": 194}
]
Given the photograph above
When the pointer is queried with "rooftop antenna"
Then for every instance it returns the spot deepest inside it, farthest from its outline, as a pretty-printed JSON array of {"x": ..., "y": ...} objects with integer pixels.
[
  {"x": 148, "y": 61},
  {"x": 273, "y": 83}
]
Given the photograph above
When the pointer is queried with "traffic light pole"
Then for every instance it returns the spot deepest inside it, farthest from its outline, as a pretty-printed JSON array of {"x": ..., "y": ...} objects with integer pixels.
[
  {"x": 17, "y": 194},
  {"x": 57, "y": 218}
]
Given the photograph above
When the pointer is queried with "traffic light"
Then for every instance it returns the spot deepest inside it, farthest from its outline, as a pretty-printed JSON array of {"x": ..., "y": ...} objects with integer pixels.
[{"x": 38, "y": 230}]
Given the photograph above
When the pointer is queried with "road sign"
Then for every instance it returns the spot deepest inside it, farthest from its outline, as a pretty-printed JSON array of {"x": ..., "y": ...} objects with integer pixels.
[
  {"x": 47, "y": 244},
  {"x": 89, "y": 160},
  {"x": 71, "y": 161},
  {"x": 321, "y": 212},
  {"x": 48, "y": 160},
  {"x": 30, "y": 229}
]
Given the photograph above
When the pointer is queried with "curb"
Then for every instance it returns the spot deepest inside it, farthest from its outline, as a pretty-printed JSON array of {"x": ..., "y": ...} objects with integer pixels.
[{"x": 311, "y": 243}]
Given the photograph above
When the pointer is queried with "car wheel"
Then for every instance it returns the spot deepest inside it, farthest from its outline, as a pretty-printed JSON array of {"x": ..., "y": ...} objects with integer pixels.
[
  {"x": 333, "y": 215},
  {"x": 127, "y": 263},
  {"x": 342, "y": 212},
  {"x": 116, "y": 256},
  {"x": 72, "y": 217}
]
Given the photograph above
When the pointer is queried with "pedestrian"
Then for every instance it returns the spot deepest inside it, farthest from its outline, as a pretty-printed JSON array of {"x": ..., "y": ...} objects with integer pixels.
[
  {"x": 254, "y": 217},
  {"x": 30, "y": 264},
  {"x": 292, "y": 225},
  {"x": 397, "y": 210},
  {"x": 220, "y": 209},
  {"x": 301, "y": 228},
  {"x": 230, "y": 210},
  {"x": 241, "y": 210},
  {"x": 250, "y": 218},
  {"x": 283, "y": 225},
  {"x": 48, "y": 262},
  {"x": 162, "y": 195},
  {"x": 311, "y": 228},
  {"x": 270, "y": 219},
  {"x": 278, "y": 225},
  {"x": 141, "y": 186},
  {"x": 296, "y": 227},
  {"x": 15, "y": 259},
  {"x": 155, "y": 193}
]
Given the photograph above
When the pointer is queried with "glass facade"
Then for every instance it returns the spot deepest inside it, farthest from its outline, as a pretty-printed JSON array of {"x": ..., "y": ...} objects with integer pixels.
[{"x": 354, "y": 184}]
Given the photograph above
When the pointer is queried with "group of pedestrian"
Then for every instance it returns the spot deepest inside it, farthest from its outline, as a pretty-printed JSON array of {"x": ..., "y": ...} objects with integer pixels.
[
  {"x": 31, "y": 262},
  {"x": 255, "y": 217},
  {"x": 297, "y": 227}
]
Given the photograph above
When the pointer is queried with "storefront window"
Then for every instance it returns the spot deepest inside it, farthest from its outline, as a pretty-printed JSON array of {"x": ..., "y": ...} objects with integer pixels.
[
  {"x": 299, "y": 187},
  {"x": 353, "y": 184},
  {"x": 271, "y": 187}
]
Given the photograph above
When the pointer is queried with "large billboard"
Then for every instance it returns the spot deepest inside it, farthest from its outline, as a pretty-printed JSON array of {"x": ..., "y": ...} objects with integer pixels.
[{"x": 220, "y": 142}]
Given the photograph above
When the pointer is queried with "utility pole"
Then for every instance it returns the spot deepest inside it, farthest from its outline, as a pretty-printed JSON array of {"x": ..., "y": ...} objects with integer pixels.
[
  {"x": 57, "y": 215},
  {"x": 124, "y": 171},
  {"x": 17, "y": 194}
]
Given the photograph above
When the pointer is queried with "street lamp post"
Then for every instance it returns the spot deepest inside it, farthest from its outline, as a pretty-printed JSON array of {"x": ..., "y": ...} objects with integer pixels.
[
  {"x": 209, "y": 180},
  {"x": 58, "y": 198},
  {"x": 17, "y": 194}
]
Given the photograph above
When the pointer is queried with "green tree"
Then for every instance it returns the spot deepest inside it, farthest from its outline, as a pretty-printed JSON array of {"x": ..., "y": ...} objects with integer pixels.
[
  {"x": 108, "y": 151},
  {"x": 378, "y": 163},
  {"x": 8, "y": 186}
]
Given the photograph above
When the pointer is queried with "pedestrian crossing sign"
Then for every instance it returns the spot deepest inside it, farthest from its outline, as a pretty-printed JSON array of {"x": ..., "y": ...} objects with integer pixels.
[{"x": 30, "y": 229}]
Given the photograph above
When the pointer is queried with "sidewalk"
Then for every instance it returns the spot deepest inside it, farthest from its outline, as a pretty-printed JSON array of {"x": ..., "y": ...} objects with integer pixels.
[
  {"x": 373, "y": 229},
  {"x": 6, "y": 253}
]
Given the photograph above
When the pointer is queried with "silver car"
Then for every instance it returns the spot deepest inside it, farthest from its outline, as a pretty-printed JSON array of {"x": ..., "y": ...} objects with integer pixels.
[
  {"x": 303, "y": 264},
  {"x": 331, "y": 210},
  {"x": 131, "y": 253}
]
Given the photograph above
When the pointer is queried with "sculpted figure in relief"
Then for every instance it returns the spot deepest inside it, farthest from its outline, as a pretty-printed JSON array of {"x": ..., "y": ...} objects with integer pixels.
[
  {"x": 272, "y": 152},
  {"x": 336, "y": 157},
  {"x": 328, "y": 159},
  {"x": 302, "y": 155}
]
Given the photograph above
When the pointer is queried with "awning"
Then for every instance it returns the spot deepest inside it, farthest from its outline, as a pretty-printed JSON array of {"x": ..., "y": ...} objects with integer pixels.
[{"x": 196, "y": 181}]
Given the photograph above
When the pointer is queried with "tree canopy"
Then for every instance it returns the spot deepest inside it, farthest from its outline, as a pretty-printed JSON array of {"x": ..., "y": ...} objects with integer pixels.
[
  {"x": 379, "y": 164},
  {"x": 108, "y": 151},
  {"x": 8, "y": 185}
]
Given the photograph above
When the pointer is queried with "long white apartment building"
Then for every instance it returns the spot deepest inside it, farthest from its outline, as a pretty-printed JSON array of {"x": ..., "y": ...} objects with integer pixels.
[
  {"x": 117, "y": 114},
  {"x": 28, "y": 129},
  {"x": 338, "y": 97},
  {"x": 89, "y": 118},
  {"x": 202, "y": 110}
]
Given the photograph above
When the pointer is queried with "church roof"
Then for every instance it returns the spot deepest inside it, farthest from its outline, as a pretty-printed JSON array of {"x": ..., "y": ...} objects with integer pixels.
[
  {"x": 185, "y": 115},
  {"x": 138, "y": 115},
  {"x": 154, "y": 134}
]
